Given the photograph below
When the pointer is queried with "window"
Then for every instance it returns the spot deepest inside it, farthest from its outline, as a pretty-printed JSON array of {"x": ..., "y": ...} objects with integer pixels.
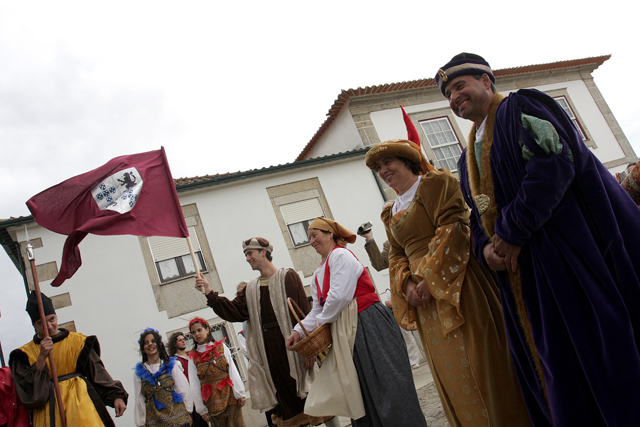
[
  {"x": 443, "y": 142},
  {"x": 172, "y": 257},
  {"x": 297, "y": 217},
  {"x": 562, "y": 101}
]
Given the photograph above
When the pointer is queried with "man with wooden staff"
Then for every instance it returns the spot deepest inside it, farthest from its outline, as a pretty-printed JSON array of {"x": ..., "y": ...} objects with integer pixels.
[
  {"x": 278, "y": 379},
  {"x": 85, "y": 385}
]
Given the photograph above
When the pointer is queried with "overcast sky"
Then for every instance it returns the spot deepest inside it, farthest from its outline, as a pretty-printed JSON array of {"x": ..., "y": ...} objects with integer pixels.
[{"x": 239, "y": 85}]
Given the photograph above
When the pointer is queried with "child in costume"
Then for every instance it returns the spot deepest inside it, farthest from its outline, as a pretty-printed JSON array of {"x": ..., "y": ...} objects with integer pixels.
[
  {"x": 215, "y": 381},
  {"x": 162, "y": 392}
]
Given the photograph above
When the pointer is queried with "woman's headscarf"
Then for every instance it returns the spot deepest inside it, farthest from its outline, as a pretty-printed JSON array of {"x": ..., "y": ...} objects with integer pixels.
[{"x": 343, "y": 235}]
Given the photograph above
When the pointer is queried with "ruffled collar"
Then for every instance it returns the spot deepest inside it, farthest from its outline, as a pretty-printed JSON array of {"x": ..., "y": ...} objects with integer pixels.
[
  {"x": 145, "y": 374},
  {"x": 203, "y": 352}
]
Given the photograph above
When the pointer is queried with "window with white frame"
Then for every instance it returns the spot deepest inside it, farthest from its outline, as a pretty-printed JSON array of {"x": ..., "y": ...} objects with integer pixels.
[
  {"x": 298, "y": 215},
  {"x": 173, "y": 258},
  {"x": 562, "y": 101},
  {"x": 443, "y": 142}
]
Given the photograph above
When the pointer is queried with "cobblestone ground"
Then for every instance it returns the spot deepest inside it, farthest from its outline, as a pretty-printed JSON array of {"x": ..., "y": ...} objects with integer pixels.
[{"x": 431, "y": 406}]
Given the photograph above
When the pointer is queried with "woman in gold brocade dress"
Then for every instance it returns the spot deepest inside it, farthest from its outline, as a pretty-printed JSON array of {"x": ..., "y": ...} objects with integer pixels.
[{"x": 438, "y": 287}]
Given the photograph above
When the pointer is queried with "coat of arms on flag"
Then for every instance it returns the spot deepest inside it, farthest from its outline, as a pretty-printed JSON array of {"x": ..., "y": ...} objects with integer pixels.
[
  {"x": 119, "y": 192},
  {"x": 111, "y": 200}
]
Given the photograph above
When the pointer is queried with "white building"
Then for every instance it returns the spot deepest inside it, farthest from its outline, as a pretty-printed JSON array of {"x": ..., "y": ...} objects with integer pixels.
[{"x": 129, "y": 283}]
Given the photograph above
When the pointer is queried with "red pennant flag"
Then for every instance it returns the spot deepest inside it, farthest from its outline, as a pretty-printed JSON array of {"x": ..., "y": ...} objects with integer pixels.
[
  {"x": 412, "y": 133},
  {"x": 132, "y": 194}
]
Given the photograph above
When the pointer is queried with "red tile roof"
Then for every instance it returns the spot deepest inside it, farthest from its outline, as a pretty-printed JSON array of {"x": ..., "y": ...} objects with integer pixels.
[
  {"x": 393, "y": 87},
  {"x": 191, "y": 180}
]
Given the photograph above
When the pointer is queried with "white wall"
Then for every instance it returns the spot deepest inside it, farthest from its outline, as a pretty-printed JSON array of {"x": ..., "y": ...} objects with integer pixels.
[
  {"x": 341, "y": 136},
  {"x": 349, "y": 187}
]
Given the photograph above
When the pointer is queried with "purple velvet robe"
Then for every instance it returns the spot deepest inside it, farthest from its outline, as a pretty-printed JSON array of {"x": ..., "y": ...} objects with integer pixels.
[{"x": 580, "y": 267}]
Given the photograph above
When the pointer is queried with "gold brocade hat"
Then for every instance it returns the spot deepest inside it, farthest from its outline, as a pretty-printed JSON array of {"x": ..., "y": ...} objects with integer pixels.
[
  {"x": 398, "y": 148},
  {"x": 408, "y": 148}
]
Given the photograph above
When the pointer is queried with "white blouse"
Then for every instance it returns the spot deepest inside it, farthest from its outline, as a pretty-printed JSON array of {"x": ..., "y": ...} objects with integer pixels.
[
  {"x": 404, "y": 200},
  {"x": 196, "y": 388},
  {"x": 181, "y": 386},
  {"x": 345, "y": 270}
]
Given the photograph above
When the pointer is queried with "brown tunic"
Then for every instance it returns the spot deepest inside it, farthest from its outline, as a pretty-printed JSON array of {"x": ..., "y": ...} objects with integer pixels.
[
  {"x": 289, "y": 404},
  {"x": 379, "y": 260}
]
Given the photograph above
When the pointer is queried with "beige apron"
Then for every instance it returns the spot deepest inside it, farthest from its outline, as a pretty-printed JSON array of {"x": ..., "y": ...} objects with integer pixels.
[{"x": 336, "y": 388}]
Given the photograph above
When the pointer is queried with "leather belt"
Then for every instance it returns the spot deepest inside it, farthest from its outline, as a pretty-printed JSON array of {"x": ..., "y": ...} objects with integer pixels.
[{"x": 269, "y": 325}]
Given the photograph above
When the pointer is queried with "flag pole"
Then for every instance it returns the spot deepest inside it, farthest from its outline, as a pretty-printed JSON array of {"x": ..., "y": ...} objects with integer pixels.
[
  {"x": 193, "y": 258},
  {"x": 54, "y": 372}
]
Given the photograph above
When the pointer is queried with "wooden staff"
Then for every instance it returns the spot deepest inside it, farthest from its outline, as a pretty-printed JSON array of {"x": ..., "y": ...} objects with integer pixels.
[
  {"x": 193, "y": 258},
  {"x": 54, "y": 373}
]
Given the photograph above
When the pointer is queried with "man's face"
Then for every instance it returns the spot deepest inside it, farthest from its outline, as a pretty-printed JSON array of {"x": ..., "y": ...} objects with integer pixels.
[
  {"x": 255, "y": 258},
  {"x": 52, "y": 325},
  {"x": 181, "y": 343},
  {"x": 469, "y": 98}
]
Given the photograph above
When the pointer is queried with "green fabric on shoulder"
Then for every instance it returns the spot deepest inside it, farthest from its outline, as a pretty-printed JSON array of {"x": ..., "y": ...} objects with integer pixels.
[{"x": 543, "y": 133}]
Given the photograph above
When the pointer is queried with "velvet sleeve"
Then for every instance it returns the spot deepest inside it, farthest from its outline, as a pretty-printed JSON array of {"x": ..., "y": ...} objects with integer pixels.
[
  {"x": 399, "y": 272},
  {"x": 90, "y": 365},
  {"x": 548, "y": 175},
  {"x": 295, "y": 290},
  {"x": 379, "y": 260},
  {"x": 235, "y": 310},
  {"x": 32, "y": 384}
]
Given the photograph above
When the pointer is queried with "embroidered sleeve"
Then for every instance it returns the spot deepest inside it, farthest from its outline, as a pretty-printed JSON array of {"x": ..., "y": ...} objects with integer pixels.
[
  {"x": 444, "y": 266},
  {"x": 543, "y": 133},
  {"x": 443, "y": 269}
]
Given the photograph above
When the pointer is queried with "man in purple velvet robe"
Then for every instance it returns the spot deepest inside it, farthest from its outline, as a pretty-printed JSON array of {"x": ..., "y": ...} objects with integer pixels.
[{"x": 563, "y": 238}]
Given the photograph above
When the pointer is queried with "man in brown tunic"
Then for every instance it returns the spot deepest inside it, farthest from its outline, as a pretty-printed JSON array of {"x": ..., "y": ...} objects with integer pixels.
[{"x": 278, "y": 379}]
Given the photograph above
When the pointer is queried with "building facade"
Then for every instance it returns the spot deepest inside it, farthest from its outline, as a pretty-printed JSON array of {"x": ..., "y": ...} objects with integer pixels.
[{"x": 129, "y": 283}]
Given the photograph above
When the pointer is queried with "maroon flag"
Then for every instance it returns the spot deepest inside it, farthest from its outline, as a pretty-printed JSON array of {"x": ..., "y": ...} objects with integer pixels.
[{"x": 132, "y": 194}]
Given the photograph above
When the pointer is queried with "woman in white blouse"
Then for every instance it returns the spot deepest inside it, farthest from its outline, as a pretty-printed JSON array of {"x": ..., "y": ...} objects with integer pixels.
[
  {"x": 162, "y": 392},
  {"x": 366, "y": 374}
]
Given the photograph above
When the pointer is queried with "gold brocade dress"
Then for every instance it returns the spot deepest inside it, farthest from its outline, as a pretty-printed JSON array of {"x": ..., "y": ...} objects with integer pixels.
[{"x": 462, "y": 330}]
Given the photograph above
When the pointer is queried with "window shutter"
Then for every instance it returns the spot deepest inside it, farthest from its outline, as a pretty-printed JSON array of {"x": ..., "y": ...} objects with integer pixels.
[
  {"x": 301, "y": 211},
  {"x": 163, "y": 248}
]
